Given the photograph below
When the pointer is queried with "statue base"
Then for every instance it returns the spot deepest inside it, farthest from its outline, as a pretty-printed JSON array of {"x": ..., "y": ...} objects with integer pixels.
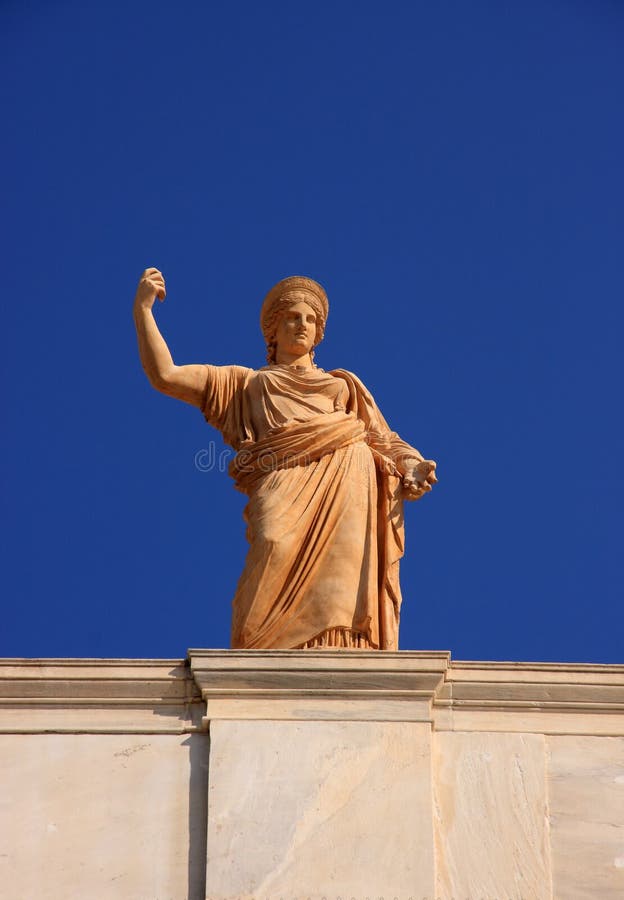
[{"x": 287, "y": 775}]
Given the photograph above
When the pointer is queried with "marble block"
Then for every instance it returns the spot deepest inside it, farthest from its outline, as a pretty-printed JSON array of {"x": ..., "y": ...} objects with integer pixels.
[
  {"x": 319, "y": 810},
  {"x": 586, "y": 786},
  {"x": 490, "y": 817},
  {"x": 112, "y": 817}
]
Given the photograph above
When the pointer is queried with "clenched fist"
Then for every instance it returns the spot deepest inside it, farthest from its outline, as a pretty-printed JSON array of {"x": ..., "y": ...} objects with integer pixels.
[{"x": 151, "y": 285}]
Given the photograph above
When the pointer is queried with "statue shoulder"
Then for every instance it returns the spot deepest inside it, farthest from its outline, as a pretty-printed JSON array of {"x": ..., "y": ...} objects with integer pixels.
[{"x": 356, "y": 385}]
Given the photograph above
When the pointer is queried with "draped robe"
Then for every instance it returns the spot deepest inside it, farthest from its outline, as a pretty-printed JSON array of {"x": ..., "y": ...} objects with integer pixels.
[{"x": 323, "y": 473}]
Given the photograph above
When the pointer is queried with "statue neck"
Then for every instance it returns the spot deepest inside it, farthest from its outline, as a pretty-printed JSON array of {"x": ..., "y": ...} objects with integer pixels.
[{"x": 292, "y": 359}]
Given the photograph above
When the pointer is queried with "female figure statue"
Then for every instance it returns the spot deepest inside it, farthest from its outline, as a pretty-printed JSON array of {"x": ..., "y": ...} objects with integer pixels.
[{"x": 324, "y": 474}]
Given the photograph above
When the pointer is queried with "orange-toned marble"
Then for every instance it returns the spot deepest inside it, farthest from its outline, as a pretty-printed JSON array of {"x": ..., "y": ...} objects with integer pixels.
[{"x": 325, "y": 476}]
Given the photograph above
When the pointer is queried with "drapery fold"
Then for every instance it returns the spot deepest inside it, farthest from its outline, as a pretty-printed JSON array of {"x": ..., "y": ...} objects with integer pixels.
[{"x": 325, "y": 516}]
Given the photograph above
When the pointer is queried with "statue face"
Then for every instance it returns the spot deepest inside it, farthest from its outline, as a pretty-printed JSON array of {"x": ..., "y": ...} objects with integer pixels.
[{"x": 296, "y": 329}]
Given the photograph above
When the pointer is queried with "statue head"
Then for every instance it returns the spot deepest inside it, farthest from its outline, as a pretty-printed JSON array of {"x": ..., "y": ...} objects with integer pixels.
[{"x": 281, "y": 297}]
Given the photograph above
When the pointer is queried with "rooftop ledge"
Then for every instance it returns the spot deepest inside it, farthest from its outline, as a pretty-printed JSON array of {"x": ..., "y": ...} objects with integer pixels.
[{"x": 181, "y": 696}]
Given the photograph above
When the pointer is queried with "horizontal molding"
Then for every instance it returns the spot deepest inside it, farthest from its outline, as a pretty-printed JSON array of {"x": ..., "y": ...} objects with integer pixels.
[
  {"x": 429, "y": 685},
  {"x": 112, "y": 662},
  {"x": 98, "y": 696},
  {"x": 494, "y": 666},
  {"x": 326, "y": 660},
  {"x": 535, "y": 684},
  {"x": 173, "y": 696},
  {"x": 315, "y": 684},
  {"x": 544, "y": 698}
]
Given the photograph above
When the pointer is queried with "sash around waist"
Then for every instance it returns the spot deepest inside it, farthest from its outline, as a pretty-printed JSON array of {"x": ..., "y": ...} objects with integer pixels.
[{"x": 294, "y": 445}]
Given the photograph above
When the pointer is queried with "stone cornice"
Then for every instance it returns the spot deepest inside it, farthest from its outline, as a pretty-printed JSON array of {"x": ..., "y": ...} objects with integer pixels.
[
  {"x": 327, "y": 673},
  {"x": 550, "y": 698},
  {"x": 411, "y": 686},
  {"x": 97, "y": 695},
  {"x": 177, "y": 696},
  {"x": 318, "y": 684}
]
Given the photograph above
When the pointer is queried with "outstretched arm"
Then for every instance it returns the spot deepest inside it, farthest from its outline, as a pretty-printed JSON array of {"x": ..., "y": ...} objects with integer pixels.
[{"x": 186, "y": 383}]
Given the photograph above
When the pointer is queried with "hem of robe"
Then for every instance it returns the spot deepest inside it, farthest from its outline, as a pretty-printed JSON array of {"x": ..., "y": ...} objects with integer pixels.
[{"x": 345, "y": 638}]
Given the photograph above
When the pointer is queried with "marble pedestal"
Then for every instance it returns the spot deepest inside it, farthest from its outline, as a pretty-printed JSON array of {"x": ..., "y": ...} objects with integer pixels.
[
  {"x": 320, "y": 773},
  {"x": 363, "y": 775}
]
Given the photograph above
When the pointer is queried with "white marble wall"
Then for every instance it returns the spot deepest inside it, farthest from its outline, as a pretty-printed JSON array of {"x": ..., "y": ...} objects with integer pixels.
[
  {"x": 319, "y": 810},
  {"x": 102, "y": 817},
  {"x": 344, "y": 776},
  {"x": 491, "y": 817},
  {"x": 586, "y": 799}
]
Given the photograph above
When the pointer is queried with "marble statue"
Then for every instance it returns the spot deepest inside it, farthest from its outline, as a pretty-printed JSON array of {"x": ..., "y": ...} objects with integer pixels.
[{"x": 325, "y": 476}]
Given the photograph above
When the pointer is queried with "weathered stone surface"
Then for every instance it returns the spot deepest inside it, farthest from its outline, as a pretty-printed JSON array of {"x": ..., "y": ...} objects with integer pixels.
[
  {"x": 325, "y": 476},
  {"x": 586, "y": 787},
  {"x": 326, "y": 684},
  {"x": 323, "y": 766},
  {"x": 490, "y": 817},
  {"x": 112, "y": 817},
  {"x": 319, "y": 809},
  {"x": 129, "y": 696}
]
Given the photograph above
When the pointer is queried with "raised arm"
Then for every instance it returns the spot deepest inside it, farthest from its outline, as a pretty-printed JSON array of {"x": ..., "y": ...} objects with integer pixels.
[{"x": 186, "y": 383}]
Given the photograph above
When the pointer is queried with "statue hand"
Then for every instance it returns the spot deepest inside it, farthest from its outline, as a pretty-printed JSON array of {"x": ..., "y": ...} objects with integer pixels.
[
  {"x": 419, "y": 478},
  {"x": 151, "y": 285}
]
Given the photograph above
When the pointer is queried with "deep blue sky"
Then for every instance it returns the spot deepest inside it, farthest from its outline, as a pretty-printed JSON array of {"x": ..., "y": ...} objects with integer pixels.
[{"x": 453, "y": 174}]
